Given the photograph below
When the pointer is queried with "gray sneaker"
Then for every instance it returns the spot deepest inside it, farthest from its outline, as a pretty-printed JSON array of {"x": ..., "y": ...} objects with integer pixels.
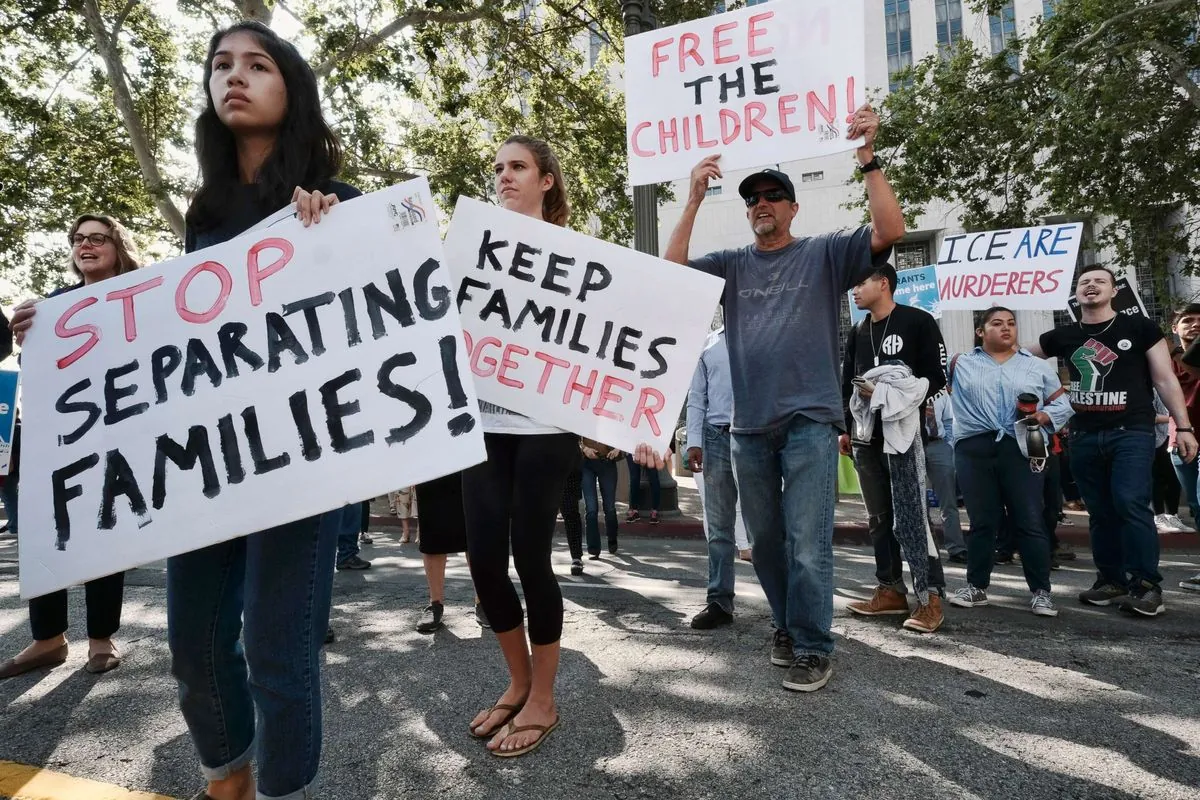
[
  {"x": 1104, "y": 593},
  {"x": 808, "y": 673},
  {"x": 781, "y": 649},
  {"x": 1145, "y": 599},
  {"x": 1042, "y": 605},
  {"x": 969, "y": 597},
  {"x": 1191, "y": 584}
]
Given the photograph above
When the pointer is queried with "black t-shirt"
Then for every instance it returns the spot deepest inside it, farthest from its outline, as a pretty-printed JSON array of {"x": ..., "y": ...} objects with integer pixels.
[
  {"x": 908, "y": 335},
  {"x": 1110, "y": 374},
  {"x": 244, "y": 212}
]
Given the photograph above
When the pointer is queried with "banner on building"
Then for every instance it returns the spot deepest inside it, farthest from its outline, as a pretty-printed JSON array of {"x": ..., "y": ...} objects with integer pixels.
[
  {"x": 1126, "y": 301},
  {"x": 264, "y": 380},
  {"x": 575, "y": 332},
  {"x": 1021, "y": 269},
  {"x": 9, "y": 381},
  {"x": 916, "y": 287},
  {"x": 765, "y": 84}
]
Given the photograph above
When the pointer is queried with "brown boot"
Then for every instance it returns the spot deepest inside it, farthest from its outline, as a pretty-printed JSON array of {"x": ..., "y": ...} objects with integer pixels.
[
  {"x": 927, "y": 618},
  {"x": 885, "y": 601}
]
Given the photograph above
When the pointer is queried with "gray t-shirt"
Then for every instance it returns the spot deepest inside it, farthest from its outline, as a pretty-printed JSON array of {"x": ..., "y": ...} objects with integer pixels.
[{"x": 781, "y": 324}]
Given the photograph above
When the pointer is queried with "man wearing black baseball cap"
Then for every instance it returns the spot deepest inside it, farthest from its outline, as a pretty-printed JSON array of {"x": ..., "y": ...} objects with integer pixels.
[{"x": 782, "y": 298}]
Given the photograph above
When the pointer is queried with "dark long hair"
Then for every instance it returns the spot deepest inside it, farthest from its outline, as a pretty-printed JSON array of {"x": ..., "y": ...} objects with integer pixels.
[
  {"x": 306, "y": 151},
  {"x": 556, "y": 209}
]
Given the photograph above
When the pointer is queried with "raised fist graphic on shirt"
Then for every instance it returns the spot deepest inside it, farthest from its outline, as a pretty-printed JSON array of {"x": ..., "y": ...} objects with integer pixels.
[{"x": 1094, "y": 361}]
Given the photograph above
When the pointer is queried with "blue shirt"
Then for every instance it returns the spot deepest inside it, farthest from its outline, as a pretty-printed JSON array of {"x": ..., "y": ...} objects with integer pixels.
[
  {"x": 985, "y": 392},
  {"x": 942, "y": 421},
  {"x": 710, "y": 398}
]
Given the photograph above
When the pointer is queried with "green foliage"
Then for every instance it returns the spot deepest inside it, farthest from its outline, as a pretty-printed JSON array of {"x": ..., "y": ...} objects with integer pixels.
[{"x": 1102, "y": 122}]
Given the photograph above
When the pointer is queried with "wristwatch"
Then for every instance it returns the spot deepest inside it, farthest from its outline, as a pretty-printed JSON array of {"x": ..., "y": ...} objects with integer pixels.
[
  {"x": 1185, "y": 430},
  {"x": 870, "y": 166}
]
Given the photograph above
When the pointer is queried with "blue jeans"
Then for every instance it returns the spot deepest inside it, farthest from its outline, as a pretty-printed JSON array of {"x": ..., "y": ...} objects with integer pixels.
[
  {"x": 787, "y": 478},
  {"x": 246, "y": 620},
  {"x": 720, "y": 510},
  {"x": 1113, "y": 471},
  {"x": 345, "y": 523},
  {"x": 1189, "y": 477},
  {"x": 635, "y": 486},
  {"x": 603, "y": 470}
]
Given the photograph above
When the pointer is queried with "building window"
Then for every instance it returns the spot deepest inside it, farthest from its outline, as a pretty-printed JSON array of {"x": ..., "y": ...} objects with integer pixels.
[
  {"x": 754, "y": 2},
  {"x": 595, "y": 45},
  {"x": 910, "y": 255},
  {"x": 899, "y": 38},
  {"x": 811, "y": 177},
  {"x": 1048, "y": 8},
  {"x": 713, "y": 190},
  {"x": 949, "y": 23},
  {"x": 1004, "y": 30}
]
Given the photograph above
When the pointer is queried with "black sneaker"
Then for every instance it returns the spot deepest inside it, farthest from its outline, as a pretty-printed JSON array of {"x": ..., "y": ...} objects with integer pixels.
[
  {"x": 612, "y": 546},
  {"x": 593, "y": 556},
  {"x": 355, "y": 563},
  {"x": 431, "y": 620},
  {"x": 1145, "y": 599},
  {"x": 781, "y": 649},
  {"x": 1002, "y": 558},
  {"x": 808, "y": 673},
  {"x": 711, "y": 617},
  {"x": 1103, "y": 593},
  {"x": 957, "y": 558},
  {"x": 481, "y": 616},
  {"x": 330, "y": 636},
  {"x": 576, "y": 566}
]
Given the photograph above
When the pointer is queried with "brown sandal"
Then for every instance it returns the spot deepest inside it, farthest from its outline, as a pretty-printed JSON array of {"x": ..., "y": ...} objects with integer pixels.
[
  {"x": 510, "y": 729},
  {"x": 512, "y": 710}
]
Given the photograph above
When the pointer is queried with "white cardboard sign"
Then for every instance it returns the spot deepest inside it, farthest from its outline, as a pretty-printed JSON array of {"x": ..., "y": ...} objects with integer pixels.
[
  {"x": 575, "y": 332},
  {"x": 1021, "y": 269},
  {"x": 267, "y": 379},
  {"x": 769, "y": 83}
]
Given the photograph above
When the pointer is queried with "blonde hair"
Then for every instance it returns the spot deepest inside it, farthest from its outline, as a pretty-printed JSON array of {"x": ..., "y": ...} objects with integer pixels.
[
  {"x": 127, "y": 259},
  {"x": 556, "y": 209}
]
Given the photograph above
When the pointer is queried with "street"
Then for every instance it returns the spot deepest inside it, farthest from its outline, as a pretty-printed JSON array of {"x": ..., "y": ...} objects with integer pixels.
[{"x": 998, "y": 704}]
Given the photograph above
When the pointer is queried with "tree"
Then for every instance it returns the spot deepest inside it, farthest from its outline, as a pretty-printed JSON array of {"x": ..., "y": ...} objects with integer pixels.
[
  {"x": 97, "y": 106},
  {"x": 1101, "y": 122}
]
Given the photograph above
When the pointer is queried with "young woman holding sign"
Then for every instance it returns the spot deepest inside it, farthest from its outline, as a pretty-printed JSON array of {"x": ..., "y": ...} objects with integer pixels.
[
  {"x": 261, "y": 142},
  {"x": 513, "y": 497},
  {"x": 100, "y": 249}
]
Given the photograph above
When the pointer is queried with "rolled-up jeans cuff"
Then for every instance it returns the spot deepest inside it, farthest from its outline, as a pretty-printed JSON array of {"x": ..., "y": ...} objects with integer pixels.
[
  {"x": 896, "y": 587},
  {"x": 306, "y": 793},
  {"x": 222, "y": 772}
]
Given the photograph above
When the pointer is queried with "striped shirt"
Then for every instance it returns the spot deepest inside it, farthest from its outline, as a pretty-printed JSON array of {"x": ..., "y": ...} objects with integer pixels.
[{"x": 984, "y": 392}]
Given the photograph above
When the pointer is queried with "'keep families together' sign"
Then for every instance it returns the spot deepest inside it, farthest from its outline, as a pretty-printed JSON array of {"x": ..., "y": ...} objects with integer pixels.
[{"x": 766, "y": 84}]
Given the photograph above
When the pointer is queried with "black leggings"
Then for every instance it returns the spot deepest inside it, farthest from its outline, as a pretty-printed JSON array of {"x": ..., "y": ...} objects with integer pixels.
[
  {"x": 515, "y": 495},
  {"x": 569, "y": 508},
  {"x": 48, "y": 613}
]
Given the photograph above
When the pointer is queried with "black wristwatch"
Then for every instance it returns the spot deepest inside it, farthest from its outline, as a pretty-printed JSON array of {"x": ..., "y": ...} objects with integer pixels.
[
  {"x": 1185, "y": 430},
  {"x": 870, "y": 166}
]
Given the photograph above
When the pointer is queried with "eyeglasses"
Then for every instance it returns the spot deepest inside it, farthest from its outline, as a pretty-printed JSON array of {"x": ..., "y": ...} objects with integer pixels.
[
  {"x": 773, "y": 196},
  {"x": 94, "y": 239}
]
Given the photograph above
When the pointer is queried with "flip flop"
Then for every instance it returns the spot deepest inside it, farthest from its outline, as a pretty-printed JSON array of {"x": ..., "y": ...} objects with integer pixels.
[
  {"x": 546, "y": 730},
  {"x": 512, "y": 710}
]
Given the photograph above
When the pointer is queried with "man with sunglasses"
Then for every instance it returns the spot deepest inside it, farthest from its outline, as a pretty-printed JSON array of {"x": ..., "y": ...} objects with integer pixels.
[{"x": 782, "y": 300}]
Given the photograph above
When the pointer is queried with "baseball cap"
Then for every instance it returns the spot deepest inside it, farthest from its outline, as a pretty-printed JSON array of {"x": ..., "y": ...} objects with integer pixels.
[{"x": 747, "y": 185}]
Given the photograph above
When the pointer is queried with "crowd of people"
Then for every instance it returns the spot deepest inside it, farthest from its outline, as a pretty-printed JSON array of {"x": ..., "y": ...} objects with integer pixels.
[{"x": 772, "y": 404}]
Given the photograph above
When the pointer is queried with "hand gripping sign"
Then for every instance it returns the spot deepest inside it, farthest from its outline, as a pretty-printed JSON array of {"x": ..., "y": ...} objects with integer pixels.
[
  {"x": 270, "y": 378},
  {"x": 575, "y": 332},
  {"x": 769, "y": 83}
]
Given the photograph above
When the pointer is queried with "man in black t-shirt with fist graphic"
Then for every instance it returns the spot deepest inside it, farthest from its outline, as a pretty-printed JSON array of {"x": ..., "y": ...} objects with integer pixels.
[{"x": 1116, "y": 361}]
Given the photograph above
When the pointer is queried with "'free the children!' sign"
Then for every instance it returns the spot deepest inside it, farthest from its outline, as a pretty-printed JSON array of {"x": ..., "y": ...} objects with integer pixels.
[
  {"x": 575, "y": 332},
  {"x": 1023, "y": 268},
  {"x": 766, "y": 84},
  {"x": 281, "y": 374}
]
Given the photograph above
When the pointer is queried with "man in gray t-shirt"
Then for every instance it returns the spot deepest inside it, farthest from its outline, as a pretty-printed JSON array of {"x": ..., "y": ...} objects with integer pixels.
[{"x": 782, "y": 297}]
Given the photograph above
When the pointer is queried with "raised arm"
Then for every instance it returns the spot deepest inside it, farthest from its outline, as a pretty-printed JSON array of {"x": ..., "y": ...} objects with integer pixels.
[
  {"x": 681, "y": 237},
  {"x": 887, "y": 220}
]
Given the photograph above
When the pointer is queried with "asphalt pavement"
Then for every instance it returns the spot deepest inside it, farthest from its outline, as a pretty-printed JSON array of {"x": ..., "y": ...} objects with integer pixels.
[{"x": 998, "y": 704}]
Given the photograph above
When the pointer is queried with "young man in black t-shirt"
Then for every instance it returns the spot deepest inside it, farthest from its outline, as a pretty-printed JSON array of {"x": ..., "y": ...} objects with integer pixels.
[
  {"x": 893, "y": 333},
  {"x": 1115, "y": 361}
]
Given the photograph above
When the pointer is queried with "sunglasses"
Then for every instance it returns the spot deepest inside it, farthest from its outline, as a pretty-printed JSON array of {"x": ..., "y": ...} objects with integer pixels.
[
  {"x": 773, "y": 196},
  {"x": 94, "y": 239}
]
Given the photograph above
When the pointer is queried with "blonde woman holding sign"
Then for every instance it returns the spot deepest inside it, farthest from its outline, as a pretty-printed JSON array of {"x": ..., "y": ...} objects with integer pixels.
[
  {"x": 513, "y": 498},
  {"x": 100, "y": 249}
]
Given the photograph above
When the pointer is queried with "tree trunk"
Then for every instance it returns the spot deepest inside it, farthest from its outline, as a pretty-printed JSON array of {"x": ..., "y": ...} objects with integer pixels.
[
  {"x": 107, "y": 47},
  {"x": 257, "y": 10}
]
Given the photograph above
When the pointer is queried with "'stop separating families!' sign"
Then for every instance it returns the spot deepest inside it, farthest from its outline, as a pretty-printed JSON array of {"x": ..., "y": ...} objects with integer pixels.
[
  {"x": 1025, "y": 268},
  {"x": 575, "y": 332},
  {"x": 273, "y": 377},
  {"x": 766, "y": 84},
  {"x": 916, "y": 287}
]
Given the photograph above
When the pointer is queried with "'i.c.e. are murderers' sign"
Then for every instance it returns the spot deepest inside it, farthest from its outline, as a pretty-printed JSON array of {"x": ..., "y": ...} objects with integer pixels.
[
  {"x": 765, "y": 84},
  {"x": 278, "y": 375},
  {"x": 575, "y": 332}
]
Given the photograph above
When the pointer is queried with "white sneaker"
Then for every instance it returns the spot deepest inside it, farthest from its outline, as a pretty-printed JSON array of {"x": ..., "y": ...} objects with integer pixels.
[
  {"x": 1162, "y": 525},
  {"x": 1179, "y": 525},
  {"x": 1042, "y": 605}
]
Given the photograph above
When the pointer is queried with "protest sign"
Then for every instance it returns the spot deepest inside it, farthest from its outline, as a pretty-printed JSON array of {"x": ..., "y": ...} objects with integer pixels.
[
  {"x": 257, "y": 382},
  {"x": 8, "y": 418},
  {"x": 761, "y": 85},
  {"x": 574, "y": 332},
  {"x": 916, "y": 287},
  {"x": 1021, "y": 269},
  {"x": 1126, "y": 301}
]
